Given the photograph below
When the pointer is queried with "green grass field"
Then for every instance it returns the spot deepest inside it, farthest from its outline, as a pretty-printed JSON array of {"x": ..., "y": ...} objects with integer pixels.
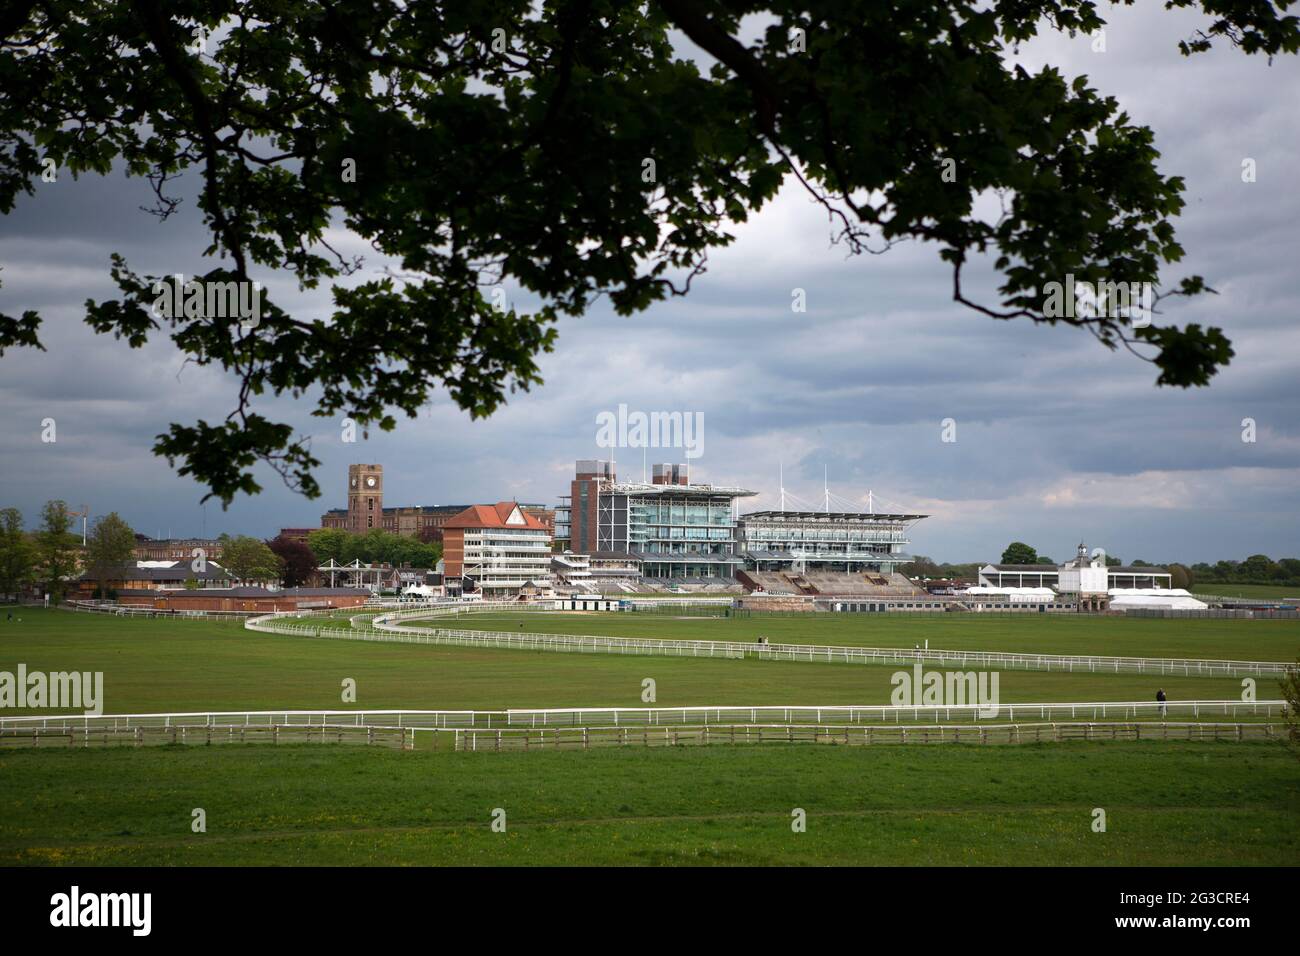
[
  {"x": 1273, "y": 591},
  {"x": 166, "y": 665},
  {"x": 1167, "y": 803},
  {"x": 1030, "y": 633}
]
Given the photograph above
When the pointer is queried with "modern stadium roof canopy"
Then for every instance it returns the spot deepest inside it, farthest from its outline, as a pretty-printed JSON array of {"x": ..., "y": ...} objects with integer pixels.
[
  {"x": 641, "y": 488},
  {"x": 831, "y": 516}
]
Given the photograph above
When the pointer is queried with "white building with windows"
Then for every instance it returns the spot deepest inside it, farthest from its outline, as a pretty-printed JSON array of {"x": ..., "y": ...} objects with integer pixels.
[
  {"x": 1084, "y": 575},
  {"x": 1081, "y": 574},
  {"x": 496, "y": 549}
]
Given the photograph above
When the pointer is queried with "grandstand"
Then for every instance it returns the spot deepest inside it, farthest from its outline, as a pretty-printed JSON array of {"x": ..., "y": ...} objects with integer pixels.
[
  {"x": 573, "y": 571},
  {"x": 842, "y": 553},
  {"x": 620, "y": 572},
  {"x": 663, "y": 531}
]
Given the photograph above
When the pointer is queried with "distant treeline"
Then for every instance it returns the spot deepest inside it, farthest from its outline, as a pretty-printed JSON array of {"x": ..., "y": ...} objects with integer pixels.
[
  {"x": 923, "y": 567},
  {"x": 1256, "y": 569},
  {"x": 375, "y": 546}
]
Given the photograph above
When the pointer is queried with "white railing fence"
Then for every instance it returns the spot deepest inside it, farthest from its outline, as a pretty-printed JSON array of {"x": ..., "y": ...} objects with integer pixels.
[
  {"x": 557, "y": 738},
  {"x": 382, "y": 628},
  {"x": 807, "y": 714},
  {"x": 107, "y": 734},
  {"x": 127, "y": 610},
  {"x": 560, "y": 738}
]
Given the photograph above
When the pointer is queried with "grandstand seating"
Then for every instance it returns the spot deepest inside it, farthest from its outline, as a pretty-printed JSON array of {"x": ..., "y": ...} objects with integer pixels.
[
  {"x": 714, "y": 585},
  {"x": 831, "y": 583},
  {"x": 773, "y": 582}
]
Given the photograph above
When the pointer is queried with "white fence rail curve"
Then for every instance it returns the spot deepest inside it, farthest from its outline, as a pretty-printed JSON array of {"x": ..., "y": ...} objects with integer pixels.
[{"x": 382, "y": 628}]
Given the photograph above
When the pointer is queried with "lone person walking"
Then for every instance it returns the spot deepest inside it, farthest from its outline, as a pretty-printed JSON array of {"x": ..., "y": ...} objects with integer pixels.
[{"x": 1160, "y": 696}]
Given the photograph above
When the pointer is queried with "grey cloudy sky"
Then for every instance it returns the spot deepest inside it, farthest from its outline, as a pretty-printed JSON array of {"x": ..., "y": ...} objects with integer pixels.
[{"x": 1057, "y": 439}]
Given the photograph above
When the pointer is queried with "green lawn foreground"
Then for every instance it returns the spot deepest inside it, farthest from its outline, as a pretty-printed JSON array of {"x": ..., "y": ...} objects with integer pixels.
[
  {"x": 1178, "y": 804},
  {"x": 1166, "y": 803},
  {"x": 164, "y": 665}
]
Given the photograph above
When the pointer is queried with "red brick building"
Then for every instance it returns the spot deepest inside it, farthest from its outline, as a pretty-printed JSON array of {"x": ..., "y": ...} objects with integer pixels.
[
  {"x": 496, "y": 548},
  {"x": 246, "y": 599}
]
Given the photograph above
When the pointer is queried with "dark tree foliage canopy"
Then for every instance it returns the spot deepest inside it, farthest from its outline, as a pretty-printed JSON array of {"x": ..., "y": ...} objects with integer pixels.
[
  {"x": 1017, "y": 552},
  {"x": 503, "y": 140}
]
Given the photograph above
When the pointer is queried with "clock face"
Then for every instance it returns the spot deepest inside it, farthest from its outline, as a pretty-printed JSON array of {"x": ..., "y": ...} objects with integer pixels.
[
  {"x": 371, "y": 482},
  {"x": 354, "y": 482}
]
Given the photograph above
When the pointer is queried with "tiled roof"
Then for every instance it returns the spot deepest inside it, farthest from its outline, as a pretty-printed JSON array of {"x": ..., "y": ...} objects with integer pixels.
[
  {"x": 178, "y": 571},
  {"x": 494, "y": 516}
]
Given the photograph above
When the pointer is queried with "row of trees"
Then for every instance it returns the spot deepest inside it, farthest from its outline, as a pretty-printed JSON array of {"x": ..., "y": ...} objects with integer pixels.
[
  {"x": 1256, "y": 569},
  {"x": 53, "y": 556},
  {"x": 374, "y": 547},
  {"x": 923, "y": 567},
  {"x": 294, "y": 562}
]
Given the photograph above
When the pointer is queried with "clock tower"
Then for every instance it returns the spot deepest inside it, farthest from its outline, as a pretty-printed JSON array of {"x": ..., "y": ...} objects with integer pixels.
[{"x": 365, "y": 497}]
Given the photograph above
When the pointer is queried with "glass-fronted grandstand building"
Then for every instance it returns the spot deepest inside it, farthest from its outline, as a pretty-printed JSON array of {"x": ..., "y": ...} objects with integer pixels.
[
  {"x": 674, "y": 529},
  {"x": 827, "y": 541}
]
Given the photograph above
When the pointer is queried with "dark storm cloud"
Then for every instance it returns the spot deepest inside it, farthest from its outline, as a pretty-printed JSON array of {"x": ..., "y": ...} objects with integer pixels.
[{"x": 1057, "y": 438}]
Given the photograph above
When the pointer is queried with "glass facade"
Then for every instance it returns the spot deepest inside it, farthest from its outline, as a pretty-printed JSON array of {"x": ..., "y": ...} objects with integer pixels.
[
  {"x": 828, "y": 542},
  {"x": 678, "y": 533}
]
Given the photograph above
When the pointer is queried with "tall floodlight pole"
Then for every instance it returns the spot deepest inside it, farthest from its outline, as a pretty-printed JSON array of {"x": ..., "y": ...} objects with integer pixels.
[
  {"x": 83, "y": 514},
  {"x": 782, "y": 483}
]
